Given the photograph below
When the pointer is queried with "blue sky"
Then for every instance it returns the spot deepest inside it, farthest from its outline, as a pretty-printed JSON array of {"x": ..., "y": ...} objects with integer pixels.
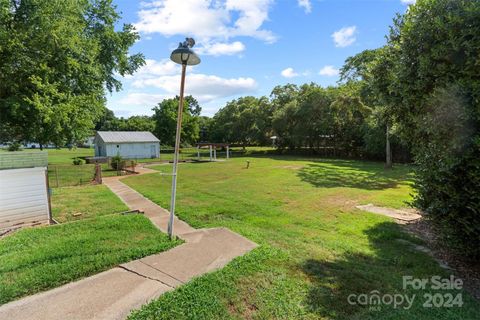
[{"x": 247, "y": 46}]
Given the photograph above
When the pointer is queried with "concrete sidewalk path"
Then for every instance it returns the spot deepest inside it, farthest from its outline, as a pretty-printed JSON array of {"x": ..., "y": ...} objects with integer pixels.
[
  {"x": 136, "y": 201},
  {"x": 114, "y": 293}
]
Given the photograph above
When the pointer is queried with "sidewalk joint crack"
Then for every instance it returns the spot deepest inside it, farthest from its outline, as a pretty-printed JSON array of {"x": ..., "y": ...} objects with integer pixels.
[
  {"x": 144, "y": 276},
  {"x": 162, "y": 272}
]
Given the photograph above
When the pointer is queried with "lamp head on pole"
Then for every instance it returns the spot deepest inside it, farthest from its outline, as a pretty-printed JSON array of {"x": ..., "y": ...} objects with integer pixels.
[{"x": 184, "y": 54}]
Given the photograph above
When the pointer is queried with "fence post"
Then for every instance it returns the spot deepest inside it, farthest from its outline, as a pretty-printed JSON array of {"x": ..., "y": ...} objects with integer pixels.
[
  {"x": 50, "y": 218},
  {"x": 228, "y": 152},
  {"x": 56, "y": 175},
  {"x": 98, "y": 173}
]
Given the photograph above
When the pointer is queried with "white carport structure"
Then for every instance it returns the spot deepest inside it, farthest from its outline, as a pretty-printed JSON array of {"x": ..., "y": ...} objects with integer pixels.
[
  {"x": 24, "y": 199},
  {"x": 212, "y": 148}
]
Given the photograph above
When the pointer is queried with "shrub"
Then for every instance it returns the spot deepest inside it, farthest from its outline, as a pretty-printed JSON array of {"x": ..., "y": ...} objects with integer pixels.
[
  {"x": 437, "y": 89},
  {"x": 448, "y": 170},
  {"x": 117, "y": 162},
  {"x": 14, "y": 146},
  {"x": 77, "y": 161}
]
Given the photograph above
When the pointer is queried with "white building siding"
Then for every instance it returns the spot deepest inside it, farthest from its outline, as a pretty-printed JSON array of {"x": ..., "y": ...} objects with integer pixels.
[
  {"x": 23, "y": 197},
  {"x": 136, "y": 150},
  {"x": 127, "y": 144},
  {"x": 100, "y": 149}
]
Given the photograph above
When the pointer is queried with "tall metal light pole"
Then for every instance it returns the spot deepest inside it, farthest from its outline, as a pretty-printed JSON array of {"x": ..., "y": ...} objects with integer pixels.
[{"x": 185, "y": 56}]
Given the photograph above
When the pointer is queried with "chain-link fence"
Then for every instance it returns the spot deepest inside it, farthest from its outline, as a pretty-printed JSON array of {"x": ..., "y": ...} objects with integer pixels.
[
  {"x": 70, "y": 175},
  {"x": 74, "y": 175}
]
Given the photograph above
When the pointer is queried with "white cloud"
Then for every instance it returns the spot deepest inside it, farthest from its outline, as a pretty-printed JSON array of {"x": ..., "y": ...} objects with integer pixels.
[
  {"x": 345, "y": 36},
  {"x": 158, "y": 80},
  {"x": 157, "y": 68},
  {"x": 165, "y": 76},
  {"x": 207, "y": 20},
  {"x": 289, "y": 73},
  {"x": 329, "y": 71},
  {"x": 204, "y": 87},
  {"x": 218, "y": 49},
  {"x": 408, "y": 2},
  {"x": 306, "y": 5},
  {"x": 142, "y": 99}
]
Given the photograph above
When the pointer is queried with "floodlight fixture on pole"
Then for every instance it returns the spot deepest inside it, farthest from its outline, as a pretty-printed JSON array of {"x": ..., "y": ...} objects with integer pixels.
[{"x": 185, "y": 56}]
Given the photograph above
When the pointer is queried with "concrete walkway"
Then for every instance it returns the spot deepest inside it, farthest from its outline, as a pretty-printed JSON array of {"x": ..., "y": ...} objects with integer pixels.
[{"x": 114, "y": 293}]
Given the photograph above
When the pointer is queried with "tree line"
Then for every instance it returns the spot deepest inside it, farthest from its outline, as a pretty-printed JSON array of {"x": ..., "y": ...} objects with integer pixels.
[
  {"x": 308, "y": 118},
  {"x": 325, "y": 121}
]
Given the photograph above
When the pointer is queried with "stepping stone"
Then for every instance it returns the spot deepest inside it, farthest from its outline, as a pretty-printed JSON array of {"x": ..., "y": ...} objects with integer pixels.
[{"x": 404, "y": 215}]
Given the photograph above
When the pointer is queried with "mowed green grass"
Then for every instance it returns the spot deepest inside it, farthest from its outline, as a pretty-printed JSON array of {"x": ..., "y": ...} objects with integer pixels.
[
  {"x": 76, "y": 203},
  {"x": 66, "y": 156},
  {"x": 62, "y": 155},
  {"x": 37, "y": 259},
  {"x": 315, "y": 250}
]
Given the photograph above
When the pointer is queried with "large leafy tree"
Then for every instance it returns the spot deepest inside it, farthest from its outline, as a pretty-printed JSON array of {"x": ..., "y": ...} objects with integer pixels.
[
  {"x": 349, "y": 114},
  {"x": 284, "y": 105},
  {"x": 165, "y": 117},
  {"x": 56, "y": 59},
  {"x": 139, "y": 123},
  {"x": 436, "y": 47},
  {"x": 244, "y": 121},
  {"x": 109, "y": 122},
  {"x": 205, "y": 125},
  {"x": 372, "y": 73}
]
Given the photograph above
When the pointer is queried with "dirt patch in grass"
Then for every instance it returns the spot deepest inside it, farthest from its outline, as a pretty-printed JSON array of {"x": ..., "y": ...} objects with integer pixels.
[
  {"x": 341, "y": 201},
  {"x": 467, "y": 270},
  {"x": 292, "y": 167}
]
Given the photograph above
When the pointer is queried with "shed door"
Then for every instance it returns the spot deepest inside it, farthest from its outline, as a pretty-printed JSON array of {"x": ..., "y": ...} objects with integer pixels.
[
  {"x": 23, "y": 197},
  {"x": 153, "y": 151}
]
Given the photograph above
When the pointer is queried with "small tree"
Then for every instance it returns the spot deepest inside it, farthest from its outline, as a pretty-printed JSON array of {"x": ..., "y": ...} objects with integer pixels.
[{"x": 117, "y": 162}]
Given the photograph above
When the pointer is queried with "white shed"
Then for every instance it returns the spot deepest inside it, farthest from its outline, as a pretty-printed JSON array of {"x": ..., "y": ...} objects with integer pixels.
[
  {"x": 23, "y": 189},
  {"x": 127, "y": 144}
]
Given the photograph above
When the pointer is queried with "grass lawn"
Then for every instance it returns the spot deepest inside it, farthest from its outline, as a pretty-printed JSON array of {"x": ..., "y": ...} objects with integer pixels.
[
  {"x": 66, "y": 156},
  {"x": 37, "y": 259},
  {"x": 90, "y": 201},
  {"x": 63, "y": 155},
  {"x": 316, "y": 248}
]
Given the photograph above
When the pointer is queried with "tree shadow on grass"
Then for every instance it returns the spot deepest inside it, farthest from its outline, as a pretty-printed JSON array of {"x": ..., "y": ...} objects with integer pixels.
[
  {"x": 334, "y": 283},
  {"x": 361, "y": 175}
]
